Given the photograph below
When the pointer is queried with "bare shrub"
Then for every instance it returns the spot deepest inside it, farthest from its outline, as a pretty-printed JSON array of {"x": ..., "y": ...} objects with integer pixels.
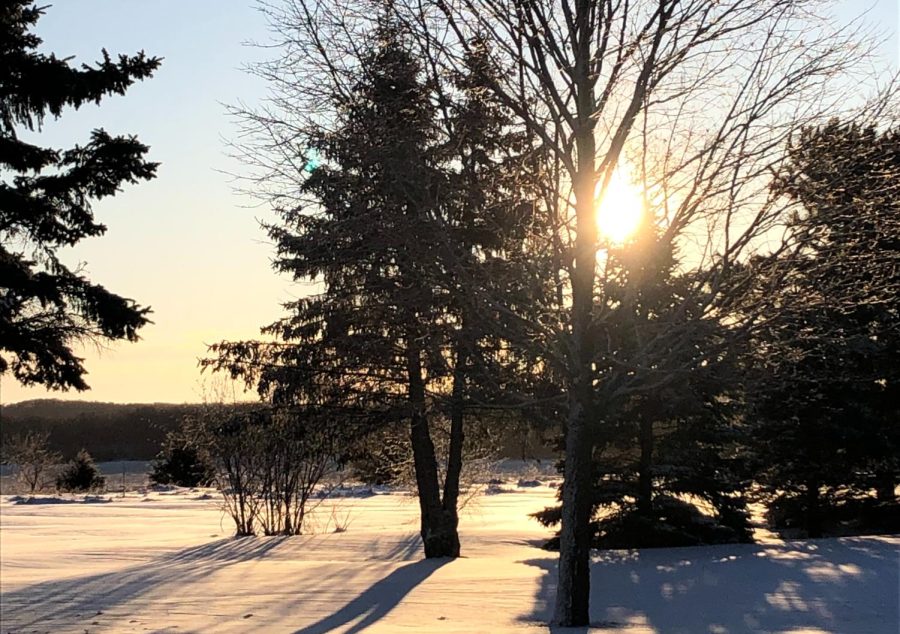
[
  {"x": 297, "y": 455},
  {"x": 32, "y": 458},
  {"x": 268, "y": 462}
]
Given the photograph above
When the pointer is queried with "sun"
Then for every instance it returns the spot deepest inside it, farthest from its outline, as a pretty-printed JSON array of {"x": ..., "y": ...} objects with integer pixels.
[{"x": 621, "y": 209}]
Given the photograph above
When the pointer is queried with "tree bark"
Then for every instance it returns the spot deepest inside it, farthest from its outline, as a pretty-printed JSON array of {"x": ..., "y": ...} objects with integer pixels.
[
  {"x": 645, "y": 469},
  {"x": 574, "y": 582},
  {"x": 457, "y": 437},
  {"x": 438, "y": 528},
  {"x": 574, "y": 586}
]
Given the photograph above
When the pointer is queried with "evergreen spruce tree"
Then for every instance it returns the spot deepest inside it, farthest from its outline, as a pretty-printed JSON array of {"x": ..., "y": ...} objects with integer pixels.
[
  {"x": 182, "y": 462},
  {"x": 376, "y": 247},
  {"x": 45, "y": 205},
  {"x": 827, "y": 395},
  {"x": 493, "y": 262},
  {"x": 668, "y": 435},
  {"x": 369, "y": 235},
  {"x": 416, "y": 226}
]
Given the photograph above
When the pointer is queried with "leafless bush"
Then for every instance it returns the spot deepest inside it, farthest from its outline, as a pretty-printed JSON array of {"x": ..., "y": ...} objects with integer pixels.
[
  {"x": 32, "y": 458},
  {"x": 268, "y": 463}
]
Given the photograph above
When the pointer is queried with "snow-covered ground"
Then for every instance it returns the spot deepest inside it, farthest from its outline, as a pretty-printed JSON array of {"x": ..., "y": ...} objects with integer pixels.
[{"x": 165, "y": 562}]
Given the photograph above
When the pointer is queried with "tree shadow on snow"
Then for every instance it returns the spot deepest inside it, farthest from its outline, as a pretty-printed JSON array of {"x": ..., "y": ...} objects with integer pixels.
[
  {"x": 830, "y": 585},
  {"x": 82, "y": 597},
  {"x": 379, "y": 599},
  {"x": 396, "y": 550},
  {"x": 70, "y": 601}
]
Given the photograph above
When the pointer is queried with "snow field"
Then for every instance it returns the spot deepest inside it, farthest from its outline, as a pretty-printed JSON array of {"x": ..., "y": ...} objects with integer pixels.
[{"x": 165, "y": 562}]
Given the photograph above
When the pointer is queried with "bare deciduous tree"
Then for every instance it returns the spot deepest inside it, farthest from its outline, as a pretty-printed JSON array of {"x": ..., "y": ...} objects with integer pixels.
[{"x": 699, "y": 98}]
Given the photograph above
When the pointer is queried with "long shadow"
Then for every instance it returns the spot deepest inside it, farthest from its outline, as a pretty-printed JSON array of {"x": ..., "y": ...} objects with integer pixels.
[
  {"x": 230, "y": 550},
  {"x": 379, "y": 599},
  {"x": 70, "y": 600},
  {"x": 83, "y": 596},
  {"x": 836, "y": 586},
  {"x": 403, "y": 549}
]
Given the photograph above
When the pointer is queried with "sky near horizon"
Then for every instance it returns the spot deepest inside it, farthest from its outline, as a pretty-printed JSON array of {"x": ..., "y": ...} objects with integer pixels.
[{"x": 185, "y": 243}]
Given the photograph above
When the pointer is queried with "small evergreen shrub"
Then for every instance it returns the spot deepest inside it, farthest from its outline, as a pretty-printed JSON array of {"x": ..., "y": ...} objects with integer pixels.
[
  {"x": 673, "y": 523},
  {"x": 181, "y": 463},
  {"x": 80, "y": 475}
]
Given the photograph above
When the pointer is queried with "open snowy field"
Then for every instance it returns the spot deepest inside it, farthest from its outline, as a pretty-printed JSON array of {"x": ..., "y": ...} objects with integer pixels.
[{"x": 165, "y": 562}]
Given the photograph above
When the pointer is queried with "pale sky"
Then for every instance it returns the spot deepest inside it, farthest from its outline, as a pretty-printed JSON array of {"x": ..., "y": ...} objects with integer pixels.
[{"x": 185, "y": 244}]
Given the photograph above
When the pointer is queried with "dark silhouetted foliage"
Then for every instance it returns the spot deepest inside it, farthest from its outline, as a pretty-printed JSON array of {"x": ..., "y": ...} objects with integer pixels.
[
  {"x": 668, "y": 467},
  {"x": 45, "y": 205},
  {"x": 826, "y": 399},
  {"x": 382, "y": 456}
]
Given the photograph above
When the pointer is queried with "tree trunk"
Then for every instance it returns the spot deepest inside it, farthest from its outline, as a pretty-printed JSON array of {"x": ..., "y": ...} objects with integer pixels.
[
  {"x": 457, "y": 437},
  {"x": 574, "y": 586},
  {"x": 645, "y": 469},
  {"x": 438, "y": 530}
]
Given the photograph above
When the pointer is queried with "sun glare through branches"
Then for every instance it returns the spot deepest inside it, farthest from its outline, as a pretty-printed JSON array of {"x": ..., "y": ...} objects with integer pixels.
[{"x": 620, "y": 210}]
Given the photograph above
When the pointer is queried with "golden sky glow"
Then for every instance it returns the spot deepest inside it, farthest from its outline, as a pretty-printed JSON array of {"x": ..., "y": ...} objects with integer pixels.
[{"x": 185, "y": 243}]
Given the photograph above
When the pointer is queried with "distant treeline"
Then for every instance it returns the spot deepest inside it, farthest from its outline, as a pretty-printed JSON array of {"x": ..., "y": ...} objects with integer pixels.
[
  {"x": 136, "y": 431},
  {"x": 109, "y": 431}
]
